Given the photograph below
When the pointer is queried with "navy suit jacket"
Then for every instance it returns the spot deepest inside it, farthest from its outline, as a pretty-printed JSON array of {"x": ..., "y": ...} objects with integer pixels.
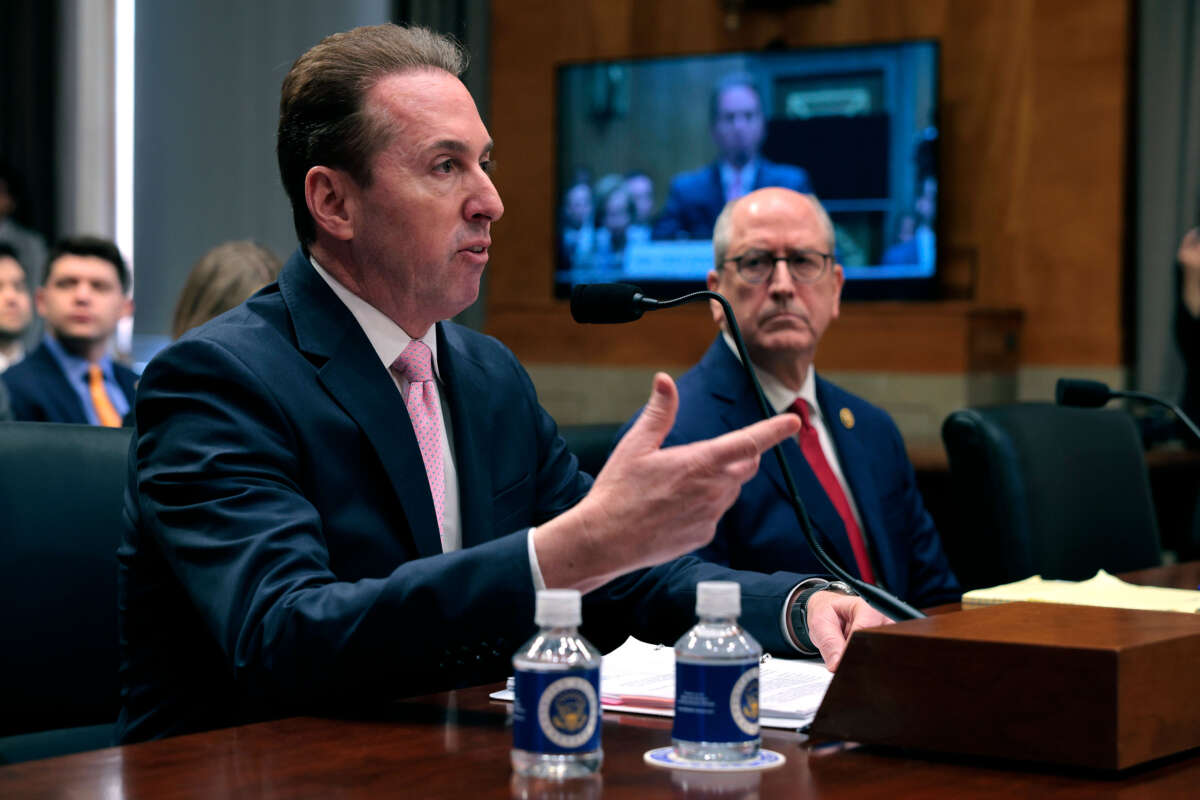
[
  {"x": 39, "y": 391},
  {"x": 282, "y": 553},
  {"x": 696, "y": 198},
  {"x": 760, "y": 531}
]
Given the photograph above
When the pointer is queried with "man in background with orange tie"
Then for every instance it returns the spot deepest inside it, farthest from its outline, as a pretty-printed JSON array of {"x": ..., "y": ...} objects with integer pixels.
[
  {"x": 70, "y": 376},
  {"x": 774, "y": 259}
]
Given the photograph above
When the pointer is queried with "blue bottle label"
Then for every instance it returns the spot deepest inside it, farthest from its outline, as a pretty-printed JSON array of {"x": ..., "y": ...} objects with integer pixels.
[
  {"x": 716, "y": 702},
  {"x": 556, "y": 712}
]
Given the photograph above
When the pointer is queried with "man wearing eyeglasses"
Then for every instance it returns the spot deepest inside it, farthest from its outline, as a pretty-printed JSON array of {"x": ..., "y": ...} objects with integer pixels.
[{"x": 774, "y": 262}]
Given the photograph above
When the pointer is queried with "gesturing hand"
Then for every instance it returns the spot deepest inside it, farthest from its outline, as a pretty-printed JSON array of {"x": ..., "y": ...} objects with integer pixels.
[{"x": 650, "y": 504}]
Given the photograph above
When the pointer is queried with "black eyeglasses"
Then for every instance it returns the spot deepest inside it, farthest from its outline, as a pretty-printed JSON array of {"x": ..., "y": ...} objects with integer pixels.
[{"x": 805, "y": 266}]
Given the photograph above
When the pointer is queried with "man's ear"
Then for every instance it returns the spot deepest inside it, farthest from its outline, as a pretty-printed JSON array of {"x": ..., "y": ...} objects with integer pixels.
[
  {"x": 713, "y": 282},
  {"x": 331, "y": 196},
  {"x": 839, "y": 280}
]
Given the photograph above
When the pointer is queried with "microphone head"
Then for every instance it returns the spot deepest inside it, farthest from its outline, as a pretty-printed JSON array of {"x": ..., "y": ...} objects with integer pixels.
[
  {"x": 605, "y": 303},
  {"x": 1081, "y": 393}
]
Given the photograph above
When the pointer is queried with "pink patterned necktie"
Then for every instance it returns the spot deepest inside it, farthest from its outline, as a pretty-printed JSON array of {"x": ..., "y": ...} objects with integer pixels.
[{"x": 416, "y": 365}]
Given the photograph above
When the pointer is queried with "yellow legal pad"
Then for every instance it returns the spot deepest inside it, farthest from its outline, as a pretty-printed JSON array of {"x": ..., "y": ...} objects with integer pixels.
[{"x": 1101, "y": 590}]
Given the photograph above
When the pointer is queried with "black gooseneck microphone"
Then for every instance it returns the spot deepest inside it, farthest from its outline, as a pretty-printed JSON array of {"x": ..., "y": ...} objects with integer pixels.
[
  {"x": 622, "y": 302},
  {"x": 1094, "y": 394}
]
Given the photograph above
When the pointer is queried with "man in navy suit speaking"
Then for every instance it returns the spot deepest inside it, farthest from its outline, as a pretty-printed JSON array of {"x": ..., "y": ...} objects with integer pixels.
[
  {"x": 774, "y": 262},
  {"x": 737, "y": 123},
  {"x": 338, "y": 498}
]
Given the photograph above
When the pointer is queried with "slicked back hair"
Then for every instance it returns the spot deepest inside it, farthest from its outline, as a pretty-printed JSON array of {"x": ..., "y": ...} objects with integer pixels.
[{"x": 322, "y": 118}]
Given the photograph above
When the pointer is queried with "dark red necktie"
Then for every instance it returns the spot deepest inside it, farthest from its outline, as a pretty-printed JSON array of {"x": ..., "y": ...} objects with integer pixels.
[{"x": 810, "y": 445}]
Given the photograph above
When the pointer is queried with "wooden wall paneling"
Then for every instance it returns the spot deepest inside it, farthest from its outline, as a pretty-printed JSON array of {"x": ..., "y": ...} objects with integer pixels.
[{"x": 1072, "y": 274}]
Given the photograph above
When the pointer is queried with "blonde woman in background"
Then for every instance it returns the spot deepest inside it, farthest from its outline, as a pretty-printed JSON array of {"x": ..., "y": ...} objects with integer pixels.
[{"x": 223, "y": 277}]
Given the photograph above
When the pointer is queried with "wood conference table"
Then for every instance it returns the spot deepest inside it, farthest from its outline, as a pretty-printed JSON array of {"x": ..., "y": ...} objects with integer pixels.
[{"x": 456, "y": 744}]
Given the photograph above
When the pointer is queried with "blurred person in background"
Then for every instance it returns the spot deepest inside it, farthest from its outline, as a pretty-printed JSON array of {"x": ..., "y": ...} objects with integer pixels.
[
  {"x": 640, "y": 188},
  {"x": 615, "y": 213},
  {"x": 224, "y": 277},
  {"x": 579, "y": 234},
  {"x": 29, "y": 245},
  {"x": 16, "y": 307},
  {"x": 1187, "y": 320},
  {"x": 70, "y": 376}
]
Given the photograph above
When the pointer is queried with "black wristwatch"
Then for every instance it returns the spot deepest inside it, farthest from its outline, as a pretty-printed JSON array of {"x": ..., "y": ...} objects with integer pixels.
[{"x": 799, "y": 611}]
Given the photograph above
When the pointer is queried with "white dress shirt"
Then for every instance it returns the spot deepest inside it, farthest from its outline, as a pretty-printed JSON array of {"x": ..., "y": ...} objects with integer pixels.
[
  {"x": 744, "y": 179},
  {"x": 12, "y": 356},
  {"x": 389, "y": 340}
]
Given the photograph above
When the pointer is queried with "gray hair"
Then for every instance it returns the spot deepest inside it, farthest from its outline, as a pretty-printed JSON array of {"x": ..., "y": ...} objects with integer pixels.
[{"x": 721, "y": 228}]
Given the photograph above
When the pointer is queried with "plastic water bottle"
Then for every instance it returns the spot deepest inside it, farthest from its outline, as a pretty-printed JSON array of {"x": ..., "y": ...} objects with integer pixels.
[
  {"x": 716, "y": 681},
  {"x": 556, "y": 711}
]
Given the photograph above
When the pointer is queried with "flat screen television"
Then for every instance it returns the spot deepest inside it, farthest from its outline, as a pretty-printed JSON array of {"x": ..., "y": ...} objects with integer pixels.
[{"x": 648, "y": 150}]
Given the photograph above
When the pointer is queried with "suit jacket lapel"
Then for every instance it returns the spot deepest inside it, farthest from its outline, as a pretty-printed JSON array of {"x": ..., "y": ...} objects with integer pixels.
[
  {"x": 352, "y": 374},
  {"x": 127, "y": 380},
  {"x": 59, "y": 393},
  {"x": 465, "y": 387},
  {"x": 717, "y": 196},
  {"x": 730, "y": 385},
  {"x": 855, "y": 462}
]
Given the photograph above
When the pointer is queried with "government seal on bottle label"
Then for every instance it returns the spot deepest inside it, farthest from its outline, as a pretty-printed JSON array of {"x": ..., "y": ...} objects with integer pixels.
[
  {"x": 743, "y": 702},
  {"x": 566, "y": 712},
  {"x": 716, "y": 702}
]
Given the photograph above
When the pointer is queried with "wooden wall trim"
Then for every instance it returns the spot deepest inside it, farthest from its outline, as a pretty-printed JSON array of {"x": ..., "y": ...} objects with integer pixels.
[{"x": 948, "y": 337}]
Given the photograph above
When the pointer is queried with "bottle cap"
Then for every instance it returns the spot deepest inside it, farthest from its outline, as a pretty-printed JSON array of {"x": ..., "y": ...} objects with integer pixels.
[
  {"x": 557, "y": 608},
  {"x": 718, "y": 599}
]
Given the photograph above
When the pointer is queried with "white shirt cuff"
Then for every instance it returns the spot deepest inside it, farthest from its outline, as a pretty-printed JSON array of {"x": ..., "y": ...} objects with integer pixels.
[{"x": 535, "y": 569}]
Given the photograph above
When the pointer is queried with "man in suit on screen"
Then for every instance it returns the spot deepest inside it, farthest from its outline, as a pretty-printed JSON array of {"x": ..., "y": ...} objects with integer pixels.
[
  {"x": 774, "y": 262},
  {"x": 738, "y": 125},
  {"x": 338, "y": 498}
]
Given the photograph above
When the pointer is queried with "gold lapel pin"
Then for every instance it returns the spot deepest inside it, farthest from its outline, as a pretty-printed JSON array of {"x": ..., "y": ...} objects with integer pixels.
[{"x": 847, "y": 417}]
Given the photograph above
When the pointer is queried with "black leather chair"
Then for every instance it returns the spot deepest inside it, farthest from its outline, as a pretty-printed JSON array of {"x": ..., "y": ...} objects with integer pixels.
[
  {"x": 61, "y": 495},
  {"x": 1047, "y": 490},
  {"x": 591, "y": 444}
]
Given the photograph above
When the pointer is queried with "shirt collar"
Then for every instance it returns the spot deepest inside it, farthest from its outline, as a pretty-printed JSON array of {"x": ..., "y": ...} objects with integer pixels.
[
  {"x": 780, "y": 397},
  {"x": 746, "y": 174},
  {"x": 75, "y": 366},
  {"x": 18, "y": 352},
  {"x": 386, "y": 337}
]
